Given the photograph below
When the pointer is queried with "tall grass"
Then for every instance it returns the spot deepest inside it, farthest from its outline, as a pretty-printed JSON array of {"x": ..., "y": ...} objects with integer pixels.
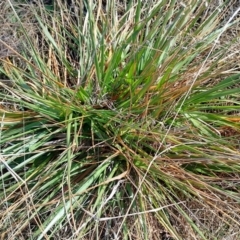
[{"x": 121, "y": 121}]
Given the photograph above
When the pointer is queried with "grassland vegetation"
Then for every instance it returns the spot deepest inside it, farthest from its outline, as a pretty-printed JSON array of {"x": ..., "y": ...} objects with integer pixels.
[{"x": 119, "y": 119}]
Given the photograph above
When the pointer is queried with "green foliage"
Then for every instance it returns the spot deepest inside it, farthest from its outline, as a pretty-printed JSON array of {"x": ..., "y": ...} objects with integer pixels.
[{"x": 120, "y": 116}]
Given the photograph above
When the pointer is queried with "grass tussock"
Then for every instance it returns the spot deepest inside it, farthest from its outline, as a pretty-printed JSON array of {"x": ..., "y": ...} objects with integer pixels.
[{"x": 119, "y": 120}]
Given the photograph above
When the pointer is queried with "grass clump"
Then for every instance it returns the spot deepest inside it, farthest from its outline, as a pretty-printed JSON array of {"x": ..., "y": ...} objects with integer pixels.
[{"x": 120, "y": 120}]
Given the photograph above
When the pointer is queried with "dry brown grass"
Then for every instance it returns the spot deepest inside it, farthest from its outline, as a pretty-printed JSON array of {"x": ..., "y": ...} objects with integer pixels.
[{"x": 213, "y": 221}]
